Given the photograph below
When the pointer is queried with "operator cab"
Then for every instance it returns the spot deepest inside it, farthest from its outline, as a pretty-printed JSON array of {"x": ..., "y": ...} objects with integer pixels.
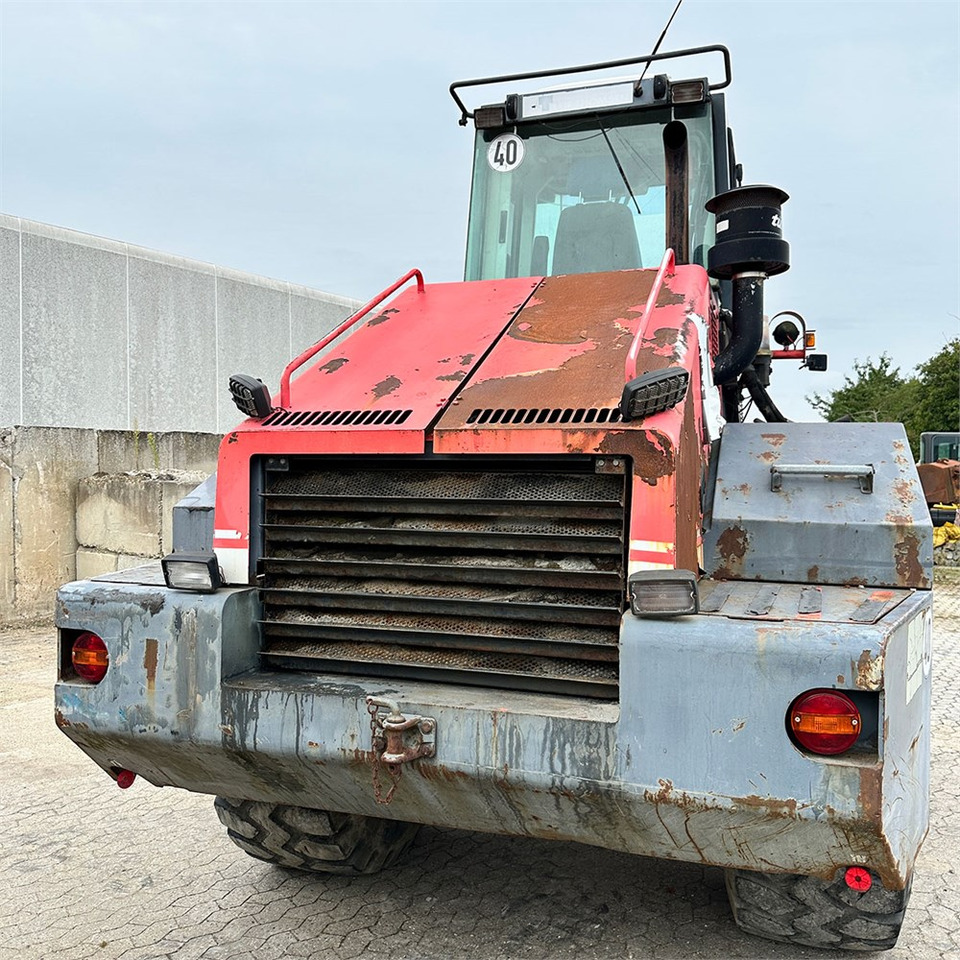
[{"x": 591, "y": 177}]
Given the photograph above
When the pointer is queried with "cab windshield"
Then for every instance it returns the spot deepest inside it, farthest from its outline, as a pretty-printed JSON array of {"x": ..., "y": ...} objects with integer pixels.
[{"x": 553, "y": 197}]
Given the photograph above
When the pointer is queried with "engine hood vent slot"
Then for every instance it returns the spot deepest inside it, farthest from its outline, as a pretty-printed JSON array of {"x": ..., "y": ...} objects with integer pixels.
[
  {"x": 542, "y": 415},
  {"x": 336, "y": 418}
]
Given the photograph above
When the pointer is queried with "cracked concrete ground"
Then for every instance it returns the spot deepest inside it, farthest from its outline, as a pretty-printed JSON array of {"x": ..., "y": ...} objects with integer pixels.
[{"x": 89, "y": 871}]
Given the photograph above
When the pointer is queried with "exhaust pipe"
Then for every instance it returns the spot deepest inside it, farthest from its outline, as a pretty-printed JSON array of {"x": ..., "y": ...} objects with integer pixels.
[
  {"x": 677, "y": 189},
  {"x": 749, "y": 248}
]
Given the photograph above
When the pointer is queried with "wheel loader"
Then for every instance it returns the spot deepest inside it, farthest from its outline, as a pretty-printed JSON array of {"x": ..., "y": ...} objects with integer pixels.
[{"x": 536, "y": 553}]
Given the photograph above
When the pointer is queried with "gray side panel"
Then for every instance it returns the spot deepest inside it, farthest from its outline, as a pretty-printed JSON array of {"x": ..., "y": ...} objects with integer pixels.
[
  {"x": 818, "y": 529},
  {"x": 193, "y": 519}
]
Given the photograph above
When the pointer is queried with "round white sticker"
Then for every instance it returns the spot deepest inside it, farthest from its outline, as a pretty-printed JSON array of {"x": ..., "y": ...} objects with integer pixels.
[{"x": 505, "y": 153}]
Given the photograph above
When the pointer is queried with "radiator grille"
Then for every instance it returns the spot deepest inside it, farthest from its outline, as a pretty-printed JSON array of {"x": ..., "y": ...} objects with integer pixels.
[{"x": 473, "y": 572}]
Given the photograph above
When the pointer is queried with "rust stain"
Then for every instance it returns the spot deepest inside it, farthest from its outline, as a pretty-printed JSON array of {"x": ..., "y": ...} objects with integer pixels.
[
  {"x": 150, "y": 662},
  {"x": 906, "y": 558},
  {"x": 774, "y": 439},
  {"x": 332, "y": 366},
  {"x": 456, "y": 377},
  {"x": 661, "y": 795},
  {"x": 439, "y": 772},
  {"x": 466, "y": 358},
  {"x": 871, "y": 790},
  {"x": 381, "y": 317},
  {"x": 732, "y": 546},
  {"x": 233, "y": 438},
  {"x": 385, "y": 387},
  {"x": 739, "y": 725},
  {"x": 840, "y": 679},
  {"x": 855, "y": 582},
  {"x": 903, "y": 491},
  {"x": 575, "y": 339},
  {"x": 869, "y": 671},
  {"x": 769, "y": 456},
  {"x": 651, "y": 460},
  {"x": 813, "y": 574}
]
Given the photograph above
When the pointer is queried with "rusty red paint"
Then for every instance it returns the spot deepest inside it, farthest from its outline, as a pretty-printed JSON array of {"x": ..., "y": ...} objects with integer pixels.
[
  {"x": 906, "y": 557},
  {"x": 732, "y": 546},
  {"x": 386, "y": 386},
  {"x": 150, "y": 655},
  {"x": 332, "y": 366}
]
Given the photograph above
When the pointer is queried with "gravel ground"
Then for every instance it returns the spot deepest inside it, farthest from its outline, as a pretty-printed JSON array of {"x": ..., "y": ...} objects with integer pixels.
[{"x": 88, "y": 871}]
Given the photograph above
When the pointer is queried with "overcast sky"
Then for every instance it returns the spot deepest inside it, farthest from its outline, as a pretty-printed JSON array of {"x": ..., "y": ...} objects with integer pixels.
[{"x": 315, "y": 142}]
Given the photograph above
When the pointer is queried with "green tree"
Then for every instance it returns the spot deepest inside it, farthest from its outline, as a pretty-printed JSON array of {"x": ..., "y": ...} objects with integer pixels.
[
  {"x": 929, "y": 400},
  {"x": 938, "y": 405}
]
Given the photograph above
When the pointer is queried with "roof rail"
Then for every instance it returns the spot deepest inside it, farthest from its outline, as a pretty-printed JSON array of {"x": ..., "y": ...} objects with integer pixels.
[{"x": 466, "y": 114}]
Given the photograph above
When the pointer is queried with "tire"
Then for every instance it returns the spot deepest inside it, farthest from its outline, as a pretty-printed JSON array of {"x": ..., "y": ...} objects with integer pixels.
[
  {"x": 812, "y": 912},
  {"x": 317, "y": 840}
]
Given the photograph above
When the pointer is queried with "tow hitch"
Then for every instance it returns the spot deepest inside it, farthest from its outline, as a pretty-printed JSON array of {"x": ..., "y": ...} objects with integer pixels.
[{"x": 397, "y": 740}]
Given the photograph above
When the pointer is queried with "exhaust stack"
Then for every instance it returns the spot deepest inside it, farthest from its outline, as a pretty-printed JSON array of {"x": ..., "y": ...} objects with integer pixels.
[{"x": 749, "y": 248}]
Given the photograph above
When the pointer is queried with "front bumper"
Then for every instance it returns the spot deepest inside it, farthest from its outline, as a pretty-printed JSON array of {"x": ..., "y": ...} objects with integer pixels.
[{"x": 694, "y": 763}]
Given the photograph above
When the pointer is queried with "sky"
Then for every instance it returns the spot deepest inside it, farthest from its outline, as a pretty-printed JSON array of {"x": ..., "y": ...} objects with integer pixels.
[{"x": 316, "y": 142}]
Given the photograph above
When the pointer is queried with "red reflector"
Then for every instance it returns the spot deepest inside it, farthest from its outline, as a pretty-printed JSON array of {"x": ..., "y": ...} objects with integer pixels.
[
  {"x": 89, "y": 657},
  {"x": 125, "y": 779},
  {"x": 826, "y": 722},
  {"x": 858, "y": 879}
]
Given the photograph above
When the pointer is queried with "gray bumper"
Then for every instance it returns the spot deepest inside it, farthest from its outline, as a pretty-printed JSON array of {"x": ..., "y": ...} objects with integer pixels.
[{"x": 693, "y": 764}]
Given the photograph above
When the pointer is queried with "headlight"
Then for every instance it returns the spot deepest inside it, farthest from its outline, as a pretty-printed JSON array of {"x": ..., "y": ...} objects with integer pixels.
[
  {"x": 198, "y": 572},
  {"x": 663, "y": 593}
]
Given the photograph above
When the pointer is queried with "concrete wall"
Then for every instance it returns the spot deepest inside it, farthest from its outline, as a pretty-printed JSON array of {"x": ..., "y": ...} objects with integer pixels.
[
  {"x": 45, "y": 473},
  {"x": 106, "y": 335}
]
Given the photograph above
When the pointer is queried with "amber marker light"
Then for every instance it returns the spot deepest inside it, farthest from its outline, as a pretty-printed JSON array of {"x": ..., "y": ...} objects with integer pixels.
[
  {"x": 825, "y": 722},
  {"x": 89, "y": 657}
]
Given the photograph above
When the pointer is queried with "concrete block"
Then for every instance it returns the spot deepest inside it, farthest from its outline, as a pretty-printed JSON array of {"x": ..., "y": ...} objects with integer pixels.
[
  {"x": 254, "y": 337},
  {"x": 173, "y": 338},
  {"x": 49, "y": 462},
  {"x": 74, "y": 319},
  {"x": 126, "y": 451},
  {"x": 193, "y": 452},
  {"x": 120, "y": 513},
  {"x": 93, "y": 563},
  {"x": 126, "y": 560},
  {"x": 172, "y": 492},
  {"x": 9, "y": 321}
]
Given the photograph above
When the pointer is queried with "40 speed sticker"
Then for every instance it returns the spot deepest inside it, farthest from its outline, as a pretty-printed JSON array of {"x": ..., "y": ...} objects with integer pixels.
[{"x": 505, "y": 153}]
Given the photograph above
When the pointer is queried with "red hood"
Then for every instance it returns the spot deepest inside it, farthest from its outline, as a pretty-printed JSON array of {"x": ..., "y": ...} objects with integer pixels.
[{"x": 521, "y": 366}]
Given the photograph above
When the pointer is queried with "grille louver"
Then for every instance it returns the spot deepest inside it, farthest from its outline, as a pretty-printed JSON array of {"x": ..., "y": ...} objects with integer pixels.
[{"x": 480, "y": 573}]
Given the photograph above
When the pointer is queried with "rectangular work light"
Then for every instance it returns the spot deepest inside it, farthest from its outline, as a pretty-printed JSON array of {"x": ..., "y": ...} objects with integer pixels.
[
  {"x": 663, "y": 593},
  {"x": 198, "y": 572}
]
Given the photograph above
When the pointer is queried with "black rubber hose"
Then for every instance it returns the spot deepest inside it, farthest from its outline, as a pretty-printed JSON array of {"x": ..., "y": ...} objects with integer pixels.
[
  {"x": 761, "y": 398},
  {"x": 747, "y": 329}
]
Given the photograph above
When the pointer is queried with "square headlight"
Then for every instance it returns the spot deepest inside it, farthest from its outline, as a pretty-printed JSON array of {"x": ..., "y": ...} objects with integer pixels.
[
  {"x": 198, "y": 572},
  {"x": 663, "y": 593}
]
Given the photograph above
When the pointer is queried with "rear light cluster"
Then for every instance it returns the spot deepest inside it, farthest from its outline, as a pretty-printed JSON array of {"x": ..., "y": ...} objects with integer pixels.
[
  {"x": 825, "y": 722},
  {"x": 89, "y": 657}
]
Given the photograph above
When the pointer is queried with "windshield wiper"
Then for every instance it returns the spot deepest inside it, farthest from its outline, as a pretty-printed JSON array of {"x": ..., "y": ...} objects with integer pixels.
[{"x": 616, "y": 160}]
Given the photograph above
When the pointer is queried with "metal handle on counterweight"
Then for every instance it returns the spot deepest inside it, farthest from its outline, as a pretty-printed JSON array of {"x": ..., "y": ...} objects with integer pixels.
[{"x": 862, "y": 472}]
